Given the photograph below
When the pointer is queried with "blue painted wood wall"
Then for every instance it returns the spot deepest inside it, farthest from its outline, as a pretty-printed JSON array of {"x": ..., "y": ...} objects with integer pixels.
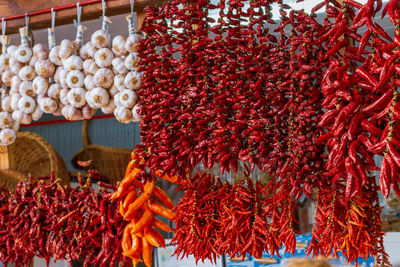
[{"x": 66, "y": 138}]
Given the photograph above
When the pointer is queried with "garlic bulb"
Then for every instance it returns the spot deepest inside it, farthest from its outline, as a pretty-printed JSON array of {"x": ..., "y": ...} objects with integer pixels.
[
  {"x": 116, "y": 99},
  {"x": 97, "y": 98},
  {"x": 113, "y": 91},
  {"x": 89, "y": 82},
  {"x": 4, "y": 61},
  {"x": 26, "y": 104},
  {"x": 48, "y": 105},
  {"x": 6, "y": 77},
  {"x": 39, "y": 51},
  {"x": 32, "y": 62},
  {"x": 66, "y": 49},
  {"x": 119, "y": 82},
  {"x": 104, "y": 78},
  {"x": 119, "y": 65},
  {"x": 14, "y": 101},
  {"x": 45, "y": 68},
  {"x": 103, "y": 57},
  {"x": 132, "y": 42},
  {"x": 15, "y": 65},
  {"x": 71, "y": 113},
  {"x": 135, "y": 113},
  {"x": 132, "y": 61},
  {"x": 37, "y": 113},
  {"x": 133, "y": 80},
  {"x": 6, "y": 104},
  {"x": 79, "y": 37},
  {"x": 109, "y": 108},
  {"x": 6, "y": 120},
  {"x": 118, "y": 45},
  {"x": 101, "y": 38},
  {"x": 87, "y": 112},
  {"x": 88, "y": 50},
  {"x": 26, "y": 89},
  {"x": 40, "y": 85},
  {"x": 74, "y": 62},
  {"x": 128, "y": 98},
  {"x": 27, "y": 73},
  {"x": 15, "y": 82},
  {"x": 75, "y": 79},
  {"x": 63, "y": 78},
  {"x": 90, "y": 66},
  {"x": 7, "y": 137},
  {"x": 123, "y": 115},
  {"x": 57, "y": 74},
  {"x": 76, "y": 97},
  {"x": 54, "y": 91},
  {"x": 54, "y": 56},
  {"x": 11, "y": 51},
  {"x": 64, "y": 96},
  {"x": 23, "y": 54}
]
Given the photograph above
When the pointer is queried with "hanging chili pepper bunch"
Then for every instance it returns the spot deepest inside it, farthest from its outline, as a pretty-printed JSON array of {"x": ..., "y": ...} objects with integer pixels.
[
  {"x": 354, "y": 129},
  {"x": 140, "y": 200},
  {"x": 198, "y": 217},
  {"x": 46, "y": 219}
]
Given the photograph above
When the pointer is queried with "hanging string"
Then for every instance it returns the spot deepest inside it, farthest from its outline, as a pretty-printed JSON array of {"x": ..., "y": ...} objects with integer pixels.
[
  {"x": 3, "y": 26},
  {"x": 78, "y": 14},
  {"x": 133, "y": 15},
  {"x": 53, "y": 18},
  {"x": 132, "y": 6},
  {"x": 27, "y": 22}
]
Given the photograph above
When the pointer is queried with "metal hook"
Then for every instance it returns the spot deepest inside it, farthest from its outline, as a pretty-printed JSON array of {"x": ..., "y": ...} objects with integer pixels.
[
  {"x": 3, "y": 26},
  {"x": 53, "y": 18},
  {"x": 103, "y": 6},
  {"x": 27, "y": 22}
]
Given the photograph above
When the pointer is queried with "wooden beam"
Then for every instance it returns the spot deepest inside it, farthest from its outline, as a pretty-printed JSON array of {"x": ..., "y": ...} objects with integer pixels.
[{"x": 42, "y": 21}]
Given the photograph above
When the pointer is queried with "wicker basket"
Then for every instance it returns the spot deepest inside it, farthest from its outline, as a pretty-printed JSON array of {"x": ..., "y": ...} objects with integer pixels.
[
  {"x": 32, "y": 155},
  {"x": 110, "y": 161}
]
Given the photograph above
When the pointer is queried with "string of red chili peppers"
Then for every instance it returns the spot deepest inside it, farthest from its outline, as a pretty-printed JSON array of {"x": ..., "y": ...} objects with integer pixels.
[{"x": 46, "y": 219}]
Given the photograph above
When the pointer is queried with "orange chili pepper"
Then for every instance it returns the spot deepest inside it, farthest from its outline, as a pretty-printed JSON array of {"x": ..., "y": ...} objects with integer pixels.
[
  {"x": 126, "y": 242},
  {"x": 160, "y": 210},
  {"x": 135, "y": 249},
  {"x": 147, "y": 252},
  {"x": 173, "y": 179},
  {"x": 143, "y": 222},
  {"x": 121, "y": 208},
  {"x": 161, "y": 225},
  {"x": 148, "y": 187},
  {"x": 135, "y": 262},
  {"x": 129, "y": 198},
  {"x": 154, "y": 237},
  {"x": 125, "y": 184},
  {"x": 130, "y": 167},
  {"x": 163, "y": 197},
  {"x": 134, "y": 206}
]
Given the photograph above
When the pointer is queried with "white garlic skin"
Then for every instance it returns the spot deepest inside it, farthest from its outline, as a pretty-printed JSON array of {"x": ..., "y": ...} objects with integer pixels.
[
  {"x": 48, "y": 105},
  {"x": 90, "y": 66},
  {"x": 103, "y": 57},
  {"x": 118, "y": 45},
  {"x": 6, "y": 104},
  {"x": 97, "y": 98},
  {"x": 15, "y": 65},
  {"x": 40, "y": 85},
  {"x": 135, "y": 113},
  {"x": 6, "y": 77},
  {"x": 119, "y": 65},
  {"x": 23, "y": 54},
  {"x": 27, "y": 73},
  {"x": 14, "y": 101},
  {"x": 66, "y": 49},
  {"x": 26, "y": 89},
  {"x": 37, "y": 113},
  {"x": 100, "y": 39},
  {"x": 132, "y": 61},
  {"x": 76, "y": 97},
  {"x": 104, "y": 78},
  {"x": 40, "y": 51},
  {"x": 45, "y": 68},
  {"x": 133, "y": 80},
  {"x": 7, "y": 137},
  {"x": 123, "y": 115},
  {"x": 128, "y": 98},
  {"x": 54, "y": 91},
  {"x": 54, "y": 56},
  {"x": 6, "y": 120},
  {"x": 132, "y": 42},
  {"x": 64, "y": 96},
  {"x": 26, "y": 104},
  {"x": 109, "y": 108},
  {"x": 89, "y": 82},
  {"x": 75, "y": 79},
  {"x": 73, "y": 62}
]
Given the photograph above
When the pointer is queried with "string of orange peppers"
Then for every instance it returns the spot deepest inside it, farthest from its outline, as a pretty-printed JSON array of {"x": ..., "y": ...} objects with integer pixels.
[{"x": 140, "y": 201}]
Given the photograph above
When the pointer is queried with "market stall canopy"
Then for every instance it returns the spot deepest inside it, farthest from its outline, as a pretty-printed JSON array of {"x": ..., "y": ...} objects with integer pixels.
[{"x": 14, "y": 10}]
